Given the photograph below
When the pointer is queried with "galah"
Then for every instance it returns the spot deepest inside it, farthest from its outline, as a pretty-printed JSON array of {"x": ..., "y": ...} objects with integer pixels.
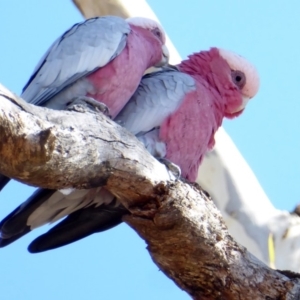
[
  {"x": 175, "y": 113},
  {"x": 103, "y": 58}
]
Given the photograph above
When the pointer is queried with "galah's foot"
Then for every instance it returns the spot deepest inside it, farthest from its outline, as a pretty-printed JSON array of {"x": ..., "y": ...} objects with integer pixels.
[
  {"x": 80, "y": 104},
  {"x": 171, "y": 167}
]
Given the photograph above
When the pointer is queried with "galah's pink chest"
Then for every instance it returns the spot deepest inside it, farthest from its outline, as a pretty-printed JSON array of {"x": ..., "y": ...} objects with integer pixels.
[
  {"x": 188, "y": 133},
  {"x": 115, "y": 83}
]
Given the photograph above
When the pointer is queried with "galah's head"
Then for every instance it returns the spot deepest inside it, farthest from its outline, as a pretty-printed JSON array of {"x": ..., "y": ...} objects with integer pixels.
[
  {"x": 245, "y": 78},
  {"x": 157, "y": 34}
]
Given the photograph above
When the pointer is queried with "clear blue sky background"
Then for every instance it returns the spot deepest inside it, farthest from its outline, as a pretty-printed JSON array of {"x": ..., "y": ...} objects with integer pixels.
[{"x": 115, "y": 264}]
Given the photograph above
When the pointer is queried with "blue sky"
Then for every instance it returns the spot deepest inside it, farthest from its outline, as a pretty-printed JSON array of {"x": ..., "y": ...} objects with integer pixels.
[{"x": 115, "y": 264}]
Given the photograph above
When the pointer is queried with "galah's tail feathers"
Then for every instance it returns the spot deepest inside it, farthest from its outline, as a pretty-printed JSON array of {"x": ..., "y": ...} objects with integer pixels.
[{"x": 79, "y": 225}]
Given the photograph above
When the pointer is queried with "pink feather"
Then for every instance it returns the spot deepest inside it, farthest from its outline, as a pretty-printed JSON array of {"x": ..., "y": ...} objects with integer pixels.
[
  {"x": 116, "y": 82},
  {"x": 189, "y": 132}
]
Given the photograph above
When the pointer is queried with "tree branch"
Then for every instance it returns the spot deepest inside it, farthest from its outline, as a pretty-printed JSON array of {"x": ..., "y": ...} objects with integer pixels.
[
  {"x": 90, "y": 8},
  {"x": 34, "y": 140},
  {"x": 184, "y": 231}
]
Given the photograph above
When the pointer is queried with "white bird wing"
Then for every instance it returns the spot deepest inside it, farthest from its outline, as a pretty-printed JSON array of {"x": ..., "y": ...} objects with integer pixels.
[
  {"x": 158, "y": 95},
  {"x": 85, "y": 47}
]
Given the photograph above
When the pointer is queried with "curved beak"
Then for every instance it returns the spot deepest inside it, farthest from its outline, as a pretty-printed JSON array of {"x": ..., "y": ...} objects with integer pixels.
[
  {"x": 239, "y": 110},
  {"x": 243, "y": 105},
  {"x": 245, "y": 101},
  {"x": 236, "y": 112},
  {"x": 165, "y": 56}
]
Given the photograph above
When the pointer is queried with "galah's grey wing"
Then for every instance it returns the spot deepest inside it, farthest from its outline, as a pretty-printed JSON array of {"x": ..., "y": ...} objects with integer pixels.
[
  {"x": 158, "y": 95},
  {"x": 85, "y": 47}
]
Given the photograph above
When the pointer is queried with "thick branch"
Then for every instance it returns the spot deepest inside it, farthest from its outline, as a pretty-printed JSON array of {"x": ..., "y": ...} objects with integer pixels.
[
  {"x": 34, "y": 140},
  {"x": 91, "y": 8},
  {"x": 185, "y": 233},
  {"x": 188, "y": 240}
]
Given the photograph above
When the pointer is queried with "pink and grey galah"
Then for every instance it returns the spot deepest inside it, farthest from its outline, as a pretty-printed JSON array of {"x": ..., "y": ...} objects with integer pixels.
[
  {"x": 175, "y": 113},
  {"x": 103, "y": 58}
]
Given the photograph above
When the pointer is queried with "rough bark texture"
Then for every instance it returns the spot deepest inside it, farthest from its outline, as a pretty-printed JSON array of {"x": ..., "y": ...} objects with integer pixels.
[
  {"x": 34, "y": 139},
  {"x": 188, "y": 240},
  {"x": 184, "y": 231}
]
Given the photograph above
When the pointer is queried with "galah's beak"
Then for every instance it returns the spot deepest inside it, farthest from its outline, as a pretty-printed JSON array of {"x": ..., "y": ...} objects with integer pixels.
[
  {"x": 165, "y": 57},
  {"x": 238, "y": 110},
  {"x": 243, "y": 105}
]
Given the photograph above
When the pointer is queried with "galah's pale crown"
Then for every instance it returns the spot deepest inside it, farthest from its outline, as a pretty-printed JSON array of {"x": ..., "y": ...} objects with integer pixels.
[
  {"x": 244, "y": 75},
  {"x": 156, "y": 29},
  {"x": 149, "y": 24}
]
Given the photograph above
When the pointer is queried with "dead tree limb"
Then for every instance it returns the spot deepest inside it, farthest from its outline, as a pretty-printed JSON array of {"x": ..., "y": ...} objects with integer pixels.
[
  {"x": 184, "y": 231},
  {"x": 92, "y": 8}
]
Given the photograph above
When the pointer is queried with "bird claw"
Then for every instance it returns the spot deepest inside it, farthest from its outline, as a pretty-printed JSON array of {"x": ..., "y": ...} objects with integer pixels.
[
  {"x": 171, "y": 167},
  {"x": 82, "y": 104}
]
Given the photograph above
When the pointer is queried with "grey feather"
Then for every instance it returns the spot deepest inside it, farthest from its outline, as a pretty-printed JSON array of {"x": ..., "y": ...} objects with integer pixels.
[
  {"x": 85, "y": 47},
  {"x": 158, "y": 95}
]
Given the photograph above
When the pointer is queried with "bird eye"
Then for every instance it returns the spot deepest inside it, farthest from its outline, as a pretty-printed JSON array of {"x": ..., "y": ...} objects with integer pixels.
[
  {"x": 157, "y": 32},
  {"x": 239, "y": 78}
]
